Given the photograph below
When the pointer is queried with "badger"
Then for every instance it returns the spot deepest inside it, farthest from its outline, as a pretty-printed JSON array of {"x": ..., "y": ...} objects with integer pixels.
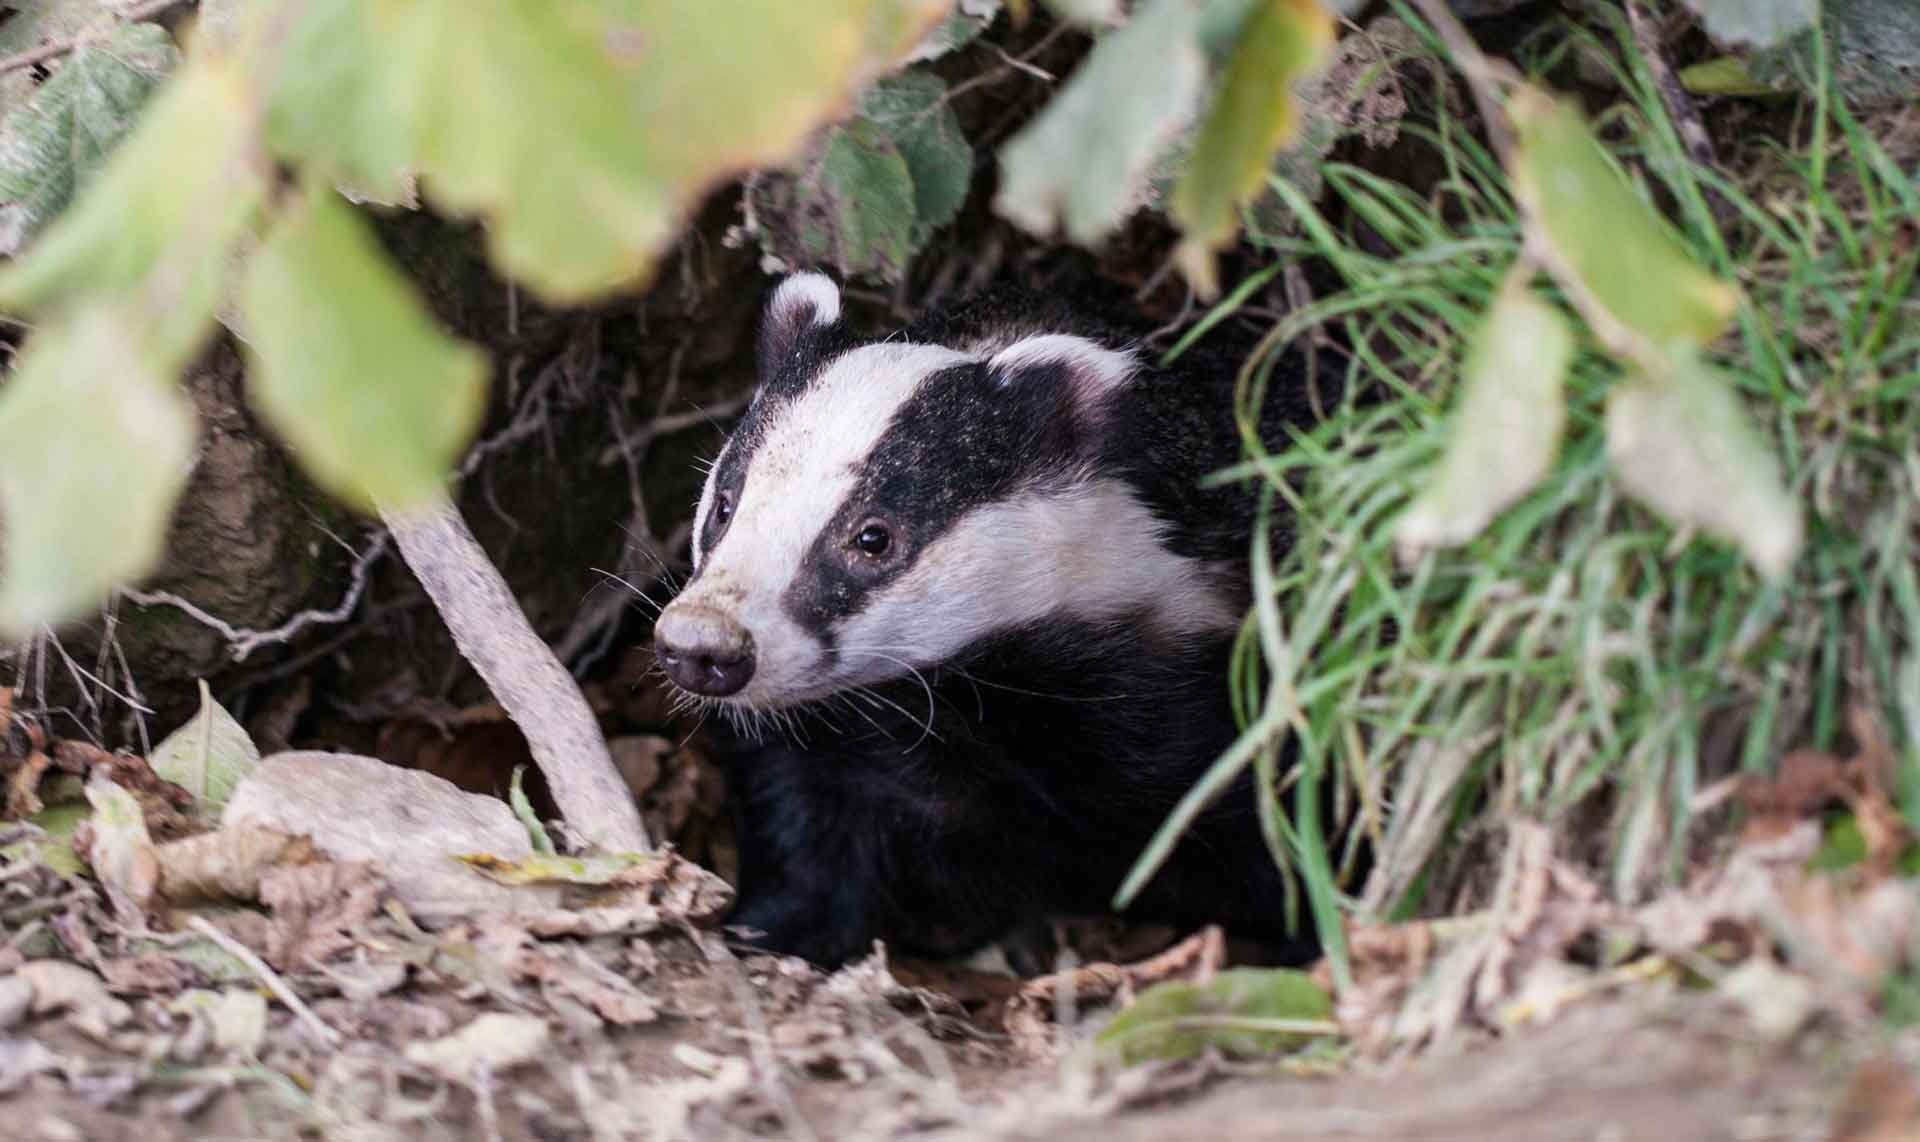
[{"x": 966, "y": 605}]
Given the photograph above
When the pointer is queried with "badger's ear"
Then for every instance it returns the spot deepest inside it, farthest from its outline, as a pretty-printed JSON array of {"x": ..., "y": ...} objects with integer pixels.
[
  {"x": 1090, "y": 373},
  {"x": 804, "y": 310}
]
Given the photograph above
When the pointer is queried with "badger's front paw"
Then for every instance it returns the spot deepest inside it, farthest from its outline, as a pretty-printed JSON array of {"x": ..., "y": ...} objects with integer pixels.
[{"x": 794, "y": 926}]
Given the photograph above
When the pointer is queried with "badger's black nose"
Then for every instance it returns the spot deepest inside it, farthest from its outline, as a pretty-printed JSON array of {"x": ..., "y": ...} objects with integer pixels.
[{"x": 703, "y": 651}]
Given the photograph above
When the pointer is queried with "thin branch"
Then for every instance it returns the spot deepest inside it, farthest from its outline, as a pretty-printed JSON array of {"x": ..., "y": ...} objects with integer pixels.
[
  {"x": 493, "y": 634},
  {"x": 270, "y": 978},
  {"x": 1484, "y": 76},
  {"x": 242, "y": 642},
  {"x": 58, "y": 48}
]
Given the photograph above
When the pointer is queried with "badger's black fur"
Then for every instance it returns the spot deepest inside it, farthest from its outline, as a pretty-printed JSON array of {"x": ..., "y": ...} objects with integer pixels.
[{"x": 1023, "y": 775}]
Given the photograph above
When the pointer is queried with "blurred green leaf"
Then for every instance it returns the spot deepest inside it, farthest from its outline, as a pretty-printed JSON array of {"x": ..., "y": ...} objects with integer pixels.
[
  {"x": 1682, "y": 444},
  {"x": 1506, "y": 432},
  {"x": 659, "y": 97},
  {"x": 1727, "y": 75},
  {"x": 1624, "y": 260},
  {"x": 1082, "y": 163},
  {"x": 348, "y": 366},
  {"x": 1086, "y": 13},
  {"x": 1242, "y": 1012},
  {"x": 1754, "y": 23},
  {"x": 58, "y": 821},
  {"x": 911, "y": 110},
  {"x": 153, "y": 229},
  {"x": 1251, "y": 117},
  {"x": 53, "y": 143},
  {"x": 347, "y": 91},
  {"x": 98, "y": 443},
  {"x": 208, "y": 756}
]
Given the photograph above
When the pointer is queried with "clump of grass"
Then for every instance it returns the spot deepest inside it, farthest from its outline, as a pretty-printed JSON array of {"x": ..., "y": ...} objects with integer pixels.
[{"x": 1579, "y": 660}]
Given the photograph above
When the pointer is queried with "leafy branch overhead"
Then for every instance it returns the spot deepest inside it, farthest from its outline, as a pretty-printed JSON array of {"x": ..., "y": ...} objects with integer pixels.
[{"x": 621, "y": 115}]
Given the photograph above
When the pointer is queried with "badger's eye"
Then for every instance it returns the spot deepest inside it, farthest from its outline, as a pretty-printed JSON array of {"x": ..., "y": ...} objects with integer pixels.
[
  {"x": 722, "y": 512},
  {"x": 873, "y": 539}
]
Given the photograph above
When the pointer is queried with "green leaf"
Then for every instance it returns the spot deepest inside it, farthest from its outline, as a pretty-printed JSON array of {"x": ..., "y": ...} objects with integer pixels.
[
  {"x": 53, "y": 143},
  {"x": 1249, "y": 120},
  {"x": 208, "y": 756},
  {"x": 155, "y": 226},
  {"x": 1755, "y": 23},
  {"x": 660, "y": 98},
  {"x": 96, "y": 443},
  {"x": 1242, "y": 1012},
  {"x": 347, "y": 91},
  {"x": 866, "y": 190},
  {"x": 961, "y": 27},
  {"x": 1727, "y": 75},
  {"x": 1086, "y": 13},
  {"x": 1629, "y": 274},
  {"x": 348, "y": 366},
  {"x": 523, "y": 809},
  {"x": 911, "y": 111},
  {"x": 59, "y": 821},
  {"x": 1682, "y": 444},
  {"x": 1083, "y": 161},
  {"x": 1507, "y": 429}
]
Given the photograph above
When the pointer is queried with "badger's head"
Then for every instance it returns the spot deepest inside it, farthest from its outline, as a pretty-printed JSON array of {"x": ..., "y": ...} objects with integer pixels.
[{"x": 884, "y": 506}]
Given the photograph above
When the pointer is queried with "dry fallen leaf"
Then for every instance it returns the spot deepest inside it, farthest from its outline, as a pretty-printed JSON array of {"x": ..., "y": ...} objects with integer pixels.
[
  {"x": 489, "y": 1044},
  {"x": 317, "y": 910},
  {"x": 410, "y": 825}
]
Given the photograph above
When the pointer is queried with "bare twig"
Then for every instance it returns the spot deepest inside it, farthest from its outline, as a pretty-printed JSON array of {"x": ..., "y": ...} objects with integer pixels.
[
  {"x": 493, "y": 634},
  {"x": 1484, "y": 76},
  {"x": 1686, "y": 118},
  {"x": 270, "y": 978},
  {"x": 58, "y": 48},
  {"x": 243, "y": 642}
]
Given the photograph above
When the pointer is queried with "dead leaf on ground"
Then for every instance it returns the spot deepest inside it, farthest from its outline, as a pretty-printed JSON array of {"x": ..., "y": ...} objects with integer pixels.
[
  {"x": 61, "y": 988},
  {"x": 226, "y": 864},
  {"x": 121, "y": 852},
  {"x": 411, "y": 825},
  {"x": 573, "y": 974},
  {"x": 489, "y": 1044},
  {"x": 1882, "y": 1104},
  {"x": 318, "y": 909},
  {"x": 1807, "y": 781},
  {"x": 1029, "y": 1016}
]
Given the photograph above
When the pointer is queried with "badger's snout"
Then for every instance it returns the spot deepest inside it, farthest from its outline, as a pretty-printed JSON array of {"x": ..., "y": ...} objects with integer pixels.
[{"x": 703, "y": 650}]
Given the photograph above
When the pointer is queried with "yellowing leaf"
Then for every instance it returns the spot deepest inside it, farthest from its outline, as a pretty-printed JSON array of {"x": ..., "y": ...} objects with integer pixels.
[
  {"x": 551, "y": 868},
  {"x": 208, "y": 756},
  {"x": 1242, "y": 1012},
  {"x": 348, "y": 366},
  {"x": 1507, "y": 429},
  {"x": 1249, "y": 121},
  {"x": 122, "y": 853},
  {"x": 1623, "y": 259},
  {"x": 1682, "y": 445},
  {"x": 96, "y": 443},
  {"x": 155, "y": 226},
  {"x": 1083, "y": 161}
]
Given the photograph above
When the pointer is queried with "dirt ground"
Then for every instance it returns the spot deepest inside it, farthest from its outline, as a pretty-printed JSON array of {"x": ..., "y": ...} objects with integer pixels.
[{"x": 766, "y": 1048}]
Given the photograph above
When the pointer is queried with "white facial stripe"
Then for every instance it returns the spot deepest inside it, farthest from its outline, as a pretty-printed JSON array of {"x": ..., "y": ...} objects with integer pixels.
[
  {"x": 800, "y": 473},
  {"x": 1090, "y": 552}
]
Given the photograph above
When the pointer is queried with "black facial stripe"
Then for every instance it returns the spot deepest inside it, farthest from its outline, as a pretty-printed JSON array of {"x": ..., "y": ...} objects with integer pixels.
[{"x": 966, "y": 438}]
